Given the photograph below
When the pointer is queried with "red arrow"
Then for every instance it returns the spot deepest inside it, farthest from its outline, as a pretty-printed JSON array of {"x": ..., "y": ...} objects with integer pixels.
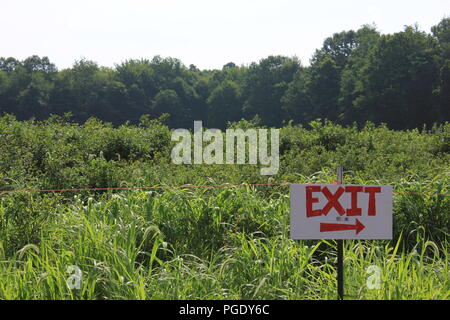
[{"x": 327, "y": 227}]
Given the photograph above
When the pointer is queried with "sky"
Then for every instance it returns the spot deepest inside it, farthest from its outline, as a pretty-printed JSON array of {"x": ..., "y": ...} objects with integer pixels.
[{"x": 206, "y": 33}]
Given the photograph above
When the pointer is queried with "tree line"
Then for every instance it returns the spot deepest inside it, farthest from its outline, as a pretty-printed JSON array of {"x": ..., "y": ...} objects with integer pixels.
[{"x": 401, "y": 79}]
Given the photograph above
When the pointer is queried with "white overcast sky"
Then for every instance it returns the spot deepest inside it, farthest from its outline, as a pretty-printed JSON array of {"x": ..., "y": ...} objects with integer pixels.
[{"x": 207, "y": 33}]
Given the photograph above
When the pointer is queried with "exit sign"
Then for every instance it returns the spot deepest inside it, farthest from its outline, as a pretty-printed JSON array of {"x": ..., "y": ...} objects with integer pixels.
[{"x": 341, "y": 212}]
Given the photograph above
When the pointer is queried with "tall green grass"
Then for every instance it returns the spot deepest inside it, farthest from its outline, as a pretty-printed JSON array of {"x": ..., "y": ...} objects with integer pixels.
[
  {"x": 228, "y": 243},
  {"x": 211, "y": 243}
]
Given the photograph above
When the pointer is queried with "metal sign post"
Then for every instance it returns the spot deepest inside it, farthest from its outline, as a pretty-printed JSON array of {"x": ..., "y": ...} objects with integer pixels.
[{"x": 340, "y": 247}]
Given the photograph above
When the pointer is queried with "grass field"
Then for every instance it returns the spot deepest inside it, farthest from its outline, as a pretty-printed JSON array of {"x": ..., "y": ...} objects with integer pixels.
[{"x": 211, "y": 243}]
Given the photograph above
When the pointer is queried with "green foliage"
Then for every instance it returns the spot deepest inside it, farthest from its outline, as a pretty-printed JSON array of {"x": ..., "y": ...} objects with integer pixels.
[
  {"x": 204, "y": 243},
  {"x": 401, "y": 79}
]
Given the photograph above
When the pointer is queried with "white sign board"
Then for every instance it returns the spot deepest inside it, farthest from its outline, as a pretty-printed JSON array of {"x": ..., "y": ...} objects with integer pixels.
[{"x": 341, "y": 212}]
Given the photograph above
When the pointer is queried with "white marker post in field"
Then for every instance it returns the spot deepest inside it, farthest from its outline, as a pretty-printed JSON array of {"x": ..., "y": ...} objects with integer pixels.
[{"x": 339, "y": 212}]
